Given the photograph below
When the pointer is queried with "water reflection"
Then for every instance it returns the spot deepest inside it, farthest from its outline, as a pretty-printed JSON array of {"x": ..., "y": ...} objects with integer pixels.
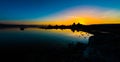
[
  {"x": 36, "y": 35},
  {"x": 82, "y": 45}
]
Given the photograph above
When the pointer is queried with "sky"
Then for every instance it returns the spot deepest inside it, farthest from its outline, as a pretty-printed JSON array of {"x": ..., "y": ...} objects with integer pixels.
[{"x": 59, "y": 11}]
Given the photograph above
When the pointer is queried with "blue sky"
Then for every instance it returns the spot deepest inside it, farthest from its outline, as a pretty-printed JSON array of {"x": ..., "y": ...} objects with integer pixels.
[{"x": 14, "y": 10}]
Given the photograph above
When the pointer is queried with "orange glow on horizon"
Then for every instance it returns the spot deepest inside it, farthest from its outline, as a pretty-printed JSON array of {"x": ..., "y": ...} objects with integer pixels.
[
  {"x": 84, "y": 15},
  {"x": 81, "y": 20}
]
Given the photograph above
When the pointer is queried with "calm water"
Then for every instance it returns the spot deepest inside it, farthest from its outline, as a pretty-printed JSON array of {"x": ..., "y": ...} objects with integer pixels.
[
  {"x": 26, "y": 44},
  {"x": 51, "y": 37}
]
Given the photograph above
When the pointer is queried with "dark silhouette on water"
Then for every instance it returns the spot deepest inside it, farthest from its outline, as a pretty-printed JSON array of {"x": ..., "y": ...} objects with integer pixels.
[
  {"x": 21, "y": 28},
  {"x": 114, "y": 28}
]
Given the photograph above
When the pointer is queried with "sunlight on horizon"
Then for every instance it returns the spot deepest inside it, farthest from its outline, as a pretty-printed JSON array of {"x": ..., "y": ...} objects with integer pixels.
[{"x": 85, "y": 15}]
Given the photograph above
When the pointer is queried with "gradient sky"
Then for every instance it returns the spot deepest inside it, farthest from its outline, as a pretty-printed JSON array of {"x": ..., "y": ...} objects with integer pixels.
[{"x": 63, "y": 11}]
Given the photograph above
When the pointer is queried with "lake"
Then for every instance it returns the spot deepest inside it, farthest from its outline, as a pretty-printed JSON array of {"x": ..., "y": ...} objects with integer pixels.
[
  {"x": 40, "y": 45},
  {"x": 58, "y": 45},
  {"x": 45, "y": 37}
]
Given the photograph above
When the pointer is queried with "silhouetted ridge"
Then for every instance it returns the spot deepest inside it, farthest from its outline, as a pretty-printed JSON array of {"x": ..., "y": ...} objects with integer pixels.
[{"x": 98, "y": 28}]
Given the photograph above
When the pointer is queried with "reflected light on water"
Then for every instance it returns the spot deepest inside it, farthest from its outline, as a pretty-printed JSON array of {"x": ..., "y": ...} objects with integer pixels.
[
  {"x": 69, "y": 35},
  {"x": 81, "y": 35}
]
